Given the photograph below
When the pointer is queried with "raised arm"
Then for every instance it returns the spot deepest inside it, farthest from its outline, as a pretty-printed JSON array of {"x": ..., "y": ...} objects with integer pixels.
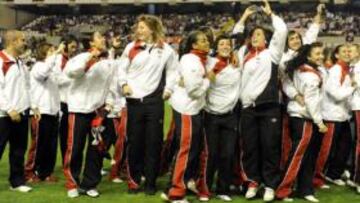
[
  {"x": 78, "y": 66},
  {"x": 312, "y": 33},
  {"x": 278, "y": 40},
  {"x": 240, "y": 25}
]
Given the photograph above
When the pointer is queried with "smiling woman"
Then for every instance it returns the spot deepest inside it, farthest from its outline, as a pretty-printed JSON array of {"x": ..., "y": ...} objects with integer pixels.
[
  {"x": 221, "y": 117},
  {"x": 188, "y": 101},
  {"x": 306, "y": 121},
  {"x": 261, "y": 118},
  {"x": 85, "y": 104},
  {"x": 146, "y": 75}
]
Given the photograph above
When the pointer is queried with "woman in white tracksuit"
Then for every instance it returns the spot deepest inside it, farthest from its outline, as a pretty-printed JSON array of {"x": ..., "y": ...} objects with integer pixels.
[
  {"x": 116, "y": 131},
  {"x": 85, "y": 102},
  {"x": 221, "y": 117},
  {"x": 260, "y": 115},
  {"x": 336, "y": 111},
  {"x": 71, "y": 47},
  {"x": 188, "y": 101},
  {"x": 294, "y": 42},
  {"x": 146, "y": 71},
  {"x": 46, "y": 98},
  {"x": 305, "y": 122}
]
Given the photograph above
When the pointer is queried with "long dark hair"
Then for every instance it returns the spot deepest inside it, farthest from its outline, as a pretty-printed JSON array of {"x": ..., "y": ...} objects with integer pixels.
[
  {"x": 301, "y": 58},
  {"x": 186, "y": 44}
]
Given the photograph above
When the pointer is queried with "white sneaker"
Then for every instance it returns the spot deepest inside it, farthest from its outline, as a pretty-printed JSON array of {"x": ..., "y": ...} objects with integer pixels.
[
  {"x": 191, "y": 185},
  {"x": 164, "y": 196},
  {"x": 180, "y": 201},
  {"x": 21, "y": 188},
  {"x": 92, "y": 193},
  {"x": 117, "y": 180},
  {"x": 311, "y": 198},
  {"x": 288, "y": 199},
  {"x": 325, "y": 187},
  {"x": 351, "y": 183},
  {"x": 346, "y": 175},
  {"x": 204, "y": 199},
  {"x": 339, "y": 182},
  {"x": 251, "y": 192},
  {"x": 358, "y": 189},
  {"x": 225, "y": 198},
  {"x": 103, "y": 172},
  {"x": 269, "y": 194},
  {"x": 73, "y": 193}
]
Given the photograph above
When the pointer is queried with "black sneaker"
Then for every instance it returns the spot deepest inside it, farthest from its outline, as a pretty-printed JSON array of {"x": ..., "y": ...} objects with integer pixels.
[
  {"x": 133, "y": 191},
  {"x": 150, "y": 191}
]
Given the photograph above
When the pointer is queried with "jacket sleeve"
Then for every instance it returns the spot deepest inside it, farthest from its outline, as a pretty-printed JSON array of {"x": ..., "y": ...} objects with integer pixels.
[
  {"x": 334, "y": 88},
  {"x": 278, "y": 40},
  {"x": 4, "y": 101},
  {"x": 311, "y": 34},
  {"x": 27, "y": 84},
  {"x": 111, "y": 94},
  {"x": 172, "y": 66},
  {"x": 115, "y": 88},
  {"x": 238, "y": 28},
  {"x": 76, "y": 67},
  {"x": 195, "y": 83},
  {"x": 60, "y": 77},
  {"x": 312, "y": 97},
  {"x": 123, "y": 65},
  {"x": 41, "y": 71},
  {"x": 356, "y": 76},
  {"x": 289, "y": 88}
]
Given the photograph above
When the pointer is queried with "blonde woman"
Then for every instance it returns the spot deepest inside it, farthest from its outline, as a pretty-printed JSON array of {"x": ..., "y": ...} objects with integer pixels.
[{"x": 146, "y": 71}]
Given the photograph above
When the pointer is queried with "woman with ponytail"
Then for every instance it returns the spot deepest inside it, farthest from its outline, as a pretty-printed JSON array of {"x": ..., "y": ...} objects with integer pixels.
[
  {"x": 188, "y": 101},
  {"x": 336, "y": 110},
  {"x": 305, "y": 122}
]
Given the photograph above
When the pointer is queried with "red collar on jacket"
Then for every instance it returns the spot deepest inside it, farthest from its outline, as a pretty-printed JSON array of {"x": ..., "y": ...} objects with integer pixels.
[
  {"x": 252, "y": 52},
  {"x": 309, "y": 68},
  {"x": 201, "y": 54},
  {"x": 140, "y": 46},
  {"x": 64, "y": 60},
  {"x": 221, "y": 64},
  {"x": 91, "y": 62},
  {"x": 7, "y": 62}
]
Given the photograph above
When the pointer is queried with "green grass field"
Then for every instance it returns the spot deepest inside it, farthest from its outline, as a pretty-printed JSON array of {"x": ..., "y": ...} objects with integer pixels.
[{"x": 111, "y": 192}]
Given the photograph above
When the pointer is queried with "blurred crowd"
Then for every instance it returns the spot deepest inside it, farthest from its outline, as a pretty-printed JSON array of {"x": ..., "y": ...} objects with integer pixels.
[{"x": 337, "y": 24}]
